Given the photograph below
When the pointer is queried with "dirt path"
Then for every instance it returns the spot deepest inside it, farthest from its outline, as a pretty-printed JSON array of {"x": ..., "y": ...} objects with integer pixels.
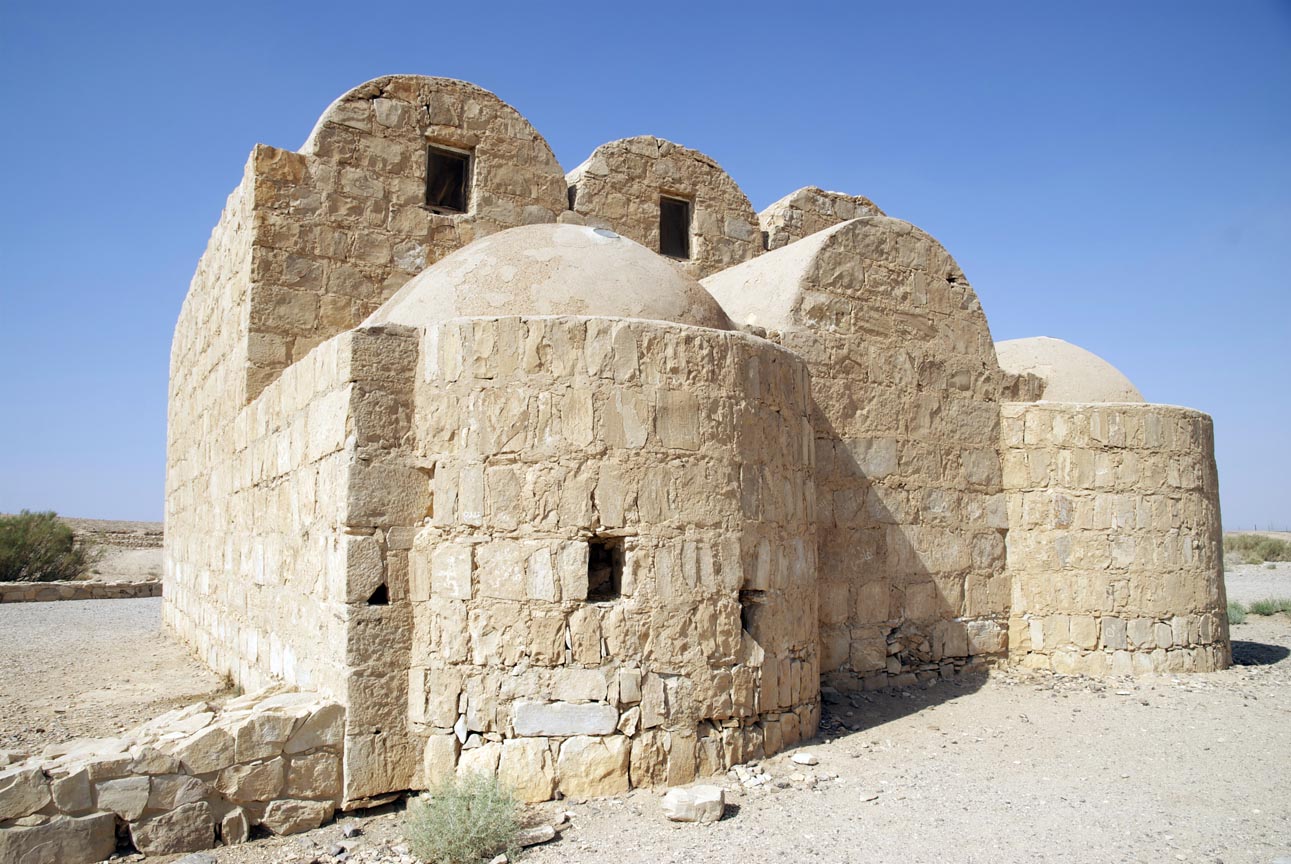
[{"x": 89, "y": 668}]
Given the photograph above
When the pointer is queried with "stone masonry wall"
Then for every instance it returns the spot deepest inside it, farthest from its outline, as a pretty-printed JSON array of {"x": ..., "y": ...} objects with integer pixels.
[
  {"x": 343, "y": 224},
  {"x": 619, "y": 187},
  {"x": 34, "y": 592},
  {"x": 179, "y": 783},
  {"x": 910, "y": 507},
  {"x": 1115, "y": 542},
  {"x": 691, "y": 447},
  {"x": 808, "y": 210}
]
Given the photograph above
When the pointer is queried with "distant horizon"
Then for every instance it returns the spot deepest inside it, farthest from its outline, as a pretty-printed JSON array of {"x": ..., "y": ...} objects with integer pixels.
[{"x": 1114, "y": 175}]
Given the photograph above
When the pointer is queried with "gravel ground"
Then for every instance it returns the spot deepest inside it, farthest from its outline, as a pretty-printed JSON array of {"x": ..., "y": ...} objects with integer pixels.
[
  {"x": 85, "y": 668},
  {"x": 1248, "y": 582}
]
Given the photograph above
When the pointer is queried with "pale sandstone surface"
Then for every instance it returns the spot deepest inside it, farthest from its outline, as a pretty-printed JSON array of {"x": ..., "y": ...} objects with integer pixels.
[
  {"x": 1070, "y": 373},
  {"x": 1029, "y": 766},
  {"x": 808, "y": 210},
  {"x": 619, "y": 187}
]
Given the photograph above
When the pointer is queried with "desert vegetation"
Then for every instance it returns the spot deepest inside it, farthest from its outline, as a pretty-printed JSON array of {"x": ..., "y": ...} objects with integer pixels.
[
  {"x": 462, "y": 820},
  {"x": 37, "y": 547},
  {"x": 1257, "y": 548}
]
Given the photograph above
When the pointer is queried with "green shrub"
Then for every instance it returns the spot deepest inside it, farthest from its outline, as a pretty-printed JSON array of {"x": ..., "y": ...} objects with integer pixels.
[
  {"x": 1270, "y": 606},
  {"x": 462, "y": 821},
  {"x": 1236, "y": 612},
  {"x": 1256, "y": 548},
  {"x": 36, "y": 547}
]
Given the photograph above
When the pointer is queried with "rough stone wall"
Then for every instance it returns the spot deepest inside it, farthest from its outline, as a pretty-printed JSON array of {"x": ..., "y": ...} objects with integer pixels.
[
  {"x": 910, "y": 508},
  {"x": 179, "y": 783},
  {"x": 343, "y": 223},
  {"x": 37, "y": 592},
  {"x": 1115, "y": 542},
  {"x": 808, "y": 210},
  {"x": 691, "y": 447},
  {"x": 619, "y": 187},
  {"x": 273, "y": 559}
]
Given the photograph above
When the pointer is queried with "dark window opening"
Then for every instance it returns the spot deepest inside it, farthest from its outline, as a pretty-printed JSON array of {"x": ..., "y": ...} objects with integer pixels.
[
  {"x": 674, "y": 227},
  {"x": 604, "y": 568},
  {"x": 573, "y": 196},
  {"x": 380, "y": 597},
  {"x": 750, "y": 606},
  {"x": 448, "y": 180}
]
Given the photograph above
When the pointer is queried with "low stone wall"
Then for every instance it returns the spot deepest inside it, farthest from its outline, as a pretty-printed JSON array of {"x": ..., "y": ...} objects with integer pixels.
[
  {"x": 183, "y": 782},
  {"x": 1114, "y": 542},
  {"x": 36, "y": 592}
]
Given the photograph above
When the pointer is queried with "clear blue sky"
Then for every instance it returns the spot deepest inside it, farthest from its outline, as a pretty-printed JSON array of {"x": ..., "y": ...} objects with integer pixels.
[{"x": 1115, "y": 174}]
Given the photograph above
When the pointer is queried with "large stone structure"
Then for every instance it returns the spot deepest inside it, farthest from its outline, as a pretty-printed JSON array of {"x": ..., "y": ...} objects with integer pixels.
[{"x": 451, "y": 445}]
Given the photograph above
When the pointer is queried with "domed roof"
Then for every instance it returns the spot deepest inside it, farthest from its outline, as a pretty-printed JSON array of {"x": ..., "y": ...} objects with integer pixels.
[
  {"x": 552, "y": 270},
  {"x": 1070, "y": 373}
]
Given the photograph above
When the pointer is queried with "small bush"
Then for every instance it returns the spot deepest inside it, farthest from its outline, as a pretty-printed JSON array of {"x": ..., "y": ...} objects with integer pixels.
[
  {"x": 1270, "y": 606},
  {"x": 462, "y": 821},
  {"x": 1256, "y": 548},
  {"x": 1236, "y": 612},
  {"x": 36, "y": 547}
]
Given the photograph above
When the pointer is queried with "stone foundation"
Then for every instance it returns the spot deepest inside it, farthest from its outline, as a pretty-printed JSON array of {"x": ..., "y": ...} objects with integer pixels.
[{"x": 185, "y": 781}]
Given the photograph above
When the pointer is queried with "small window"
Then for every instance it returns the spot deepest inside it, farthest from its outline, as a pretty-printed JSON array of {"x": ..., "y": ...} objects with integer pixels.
[
  {"x": 448, "y": 180},
  {"x": 604, "y": 568},
  {"x": 674, "y": 227},
  {"x": 573, "y": 196}
]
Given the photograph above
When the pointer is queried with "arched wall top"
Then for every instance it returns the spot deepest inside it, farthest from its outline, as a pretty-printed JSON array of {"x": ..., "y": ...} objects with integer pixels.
[
  {"x": 810, "y": 209},
  {"x": 1069, "y": 372},
  {"x": 620, "y": 186}
]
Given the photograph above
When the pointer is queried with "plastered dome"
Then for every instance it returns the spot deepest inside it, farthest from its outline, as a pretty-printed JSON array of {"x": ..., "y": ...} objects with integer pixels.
[
  {"x": 552, "y": 270},
  {"x": 1070, "y": 373}
]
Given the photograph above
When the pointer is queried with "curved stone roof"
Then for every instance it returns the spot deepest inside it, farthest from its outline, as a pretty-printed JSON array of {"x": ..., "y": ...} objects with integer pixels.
[
  {"x": 1070, "y": 373},
  {"x": 552, "y": 270}
]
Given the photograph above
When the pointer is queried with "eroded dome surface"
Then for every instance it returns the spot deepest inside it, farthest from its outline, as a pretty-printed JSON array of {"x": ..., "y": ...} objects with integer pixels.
[
  {"x": 552, "y": 270},
  {"x": 1071, "y": 373}
]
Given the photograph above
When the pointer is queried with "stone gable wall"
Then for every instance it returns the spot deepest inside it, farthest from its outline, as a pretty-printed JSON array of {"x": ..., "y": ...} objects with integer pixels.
[
  {"x": 691, "y": 446},
  {"x": 619, "y": 186},
  {"x": 1115, "y": 543},
  {"x": 808, "y": 210}
]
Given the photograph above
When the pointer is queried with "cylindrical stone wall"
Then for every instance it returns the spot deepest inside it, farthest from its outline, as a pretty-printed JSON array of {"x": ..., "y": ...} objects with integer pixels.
[
  {"x": 558, "y": 448},
  {"x": 1114, "y": 543}
]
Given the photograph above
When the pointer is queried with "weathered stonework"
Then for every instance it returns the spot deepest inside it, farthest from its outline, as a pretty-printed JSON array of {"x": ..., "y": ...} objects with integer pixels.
[
  {"x": 549, "y": 508},
  {"x": 620, "y": 184},
  {"x": 908, "y": 499},
  {"x": 182, "y": 782},
  {"x": 809, "y": 210},
  {"x": 1115, "y": 544},
  {"x": 37, "y": 592}
]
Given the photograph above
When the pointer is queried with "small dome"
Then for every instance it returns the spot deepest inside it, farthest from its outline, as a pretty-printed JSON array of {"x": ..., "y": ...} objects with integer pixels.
[
  {"x": 552, "y": 270},
  {"x": 1070, "y": 373}
]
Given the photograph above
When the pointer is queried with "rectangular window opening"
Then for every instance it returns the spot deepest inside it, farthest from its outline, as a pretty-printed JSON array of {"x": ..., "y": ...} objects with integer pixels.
[
  {"x": 674, "y": 227},
  {"x": 573, "y": 196},
  {"x": 604, "y": 568},
  {"x": 448, "y": 180}
]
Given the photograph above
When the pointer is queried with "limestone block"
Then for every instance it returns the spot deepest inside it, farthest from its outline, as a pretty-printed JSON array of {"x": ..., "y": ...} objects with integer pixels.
[
  {"x": 480, "y": 760},
  {"x": 148, "y": 760},
  {"x": 72, "y": 794},
  {"x": 188, "y": 828},
  {"x": 262, "y": 735},
  {"x": 1113, "y": 633},
  {"x": 127, "y": 797},
  {"x": 210, "y": 749},
  {"x": 681, "y": 749},
  {"x": 235, "y": 828},
  {"x": 1084, "y": 631},
  {"x": 560, "y": 719},
  {"x": 1139, "y": 631},
  {"x": 578, "y": 685},
  {"x": 451, "y": 565},
  {"x": 527, "y": 769},
  {"x": 260, "y": 781},
  {"x": 323, "y": 728},
  {"x": 648, "y": 760},
  {"x": 590, "y": 767},
  {"x": 439, "y": 759},
  {"x": 986, "y": 637},
  {"x": 695, "y": 804},
  {"x": 173, "y": 790},
  {"x": 61, "y": 840},
  {"x": 317, "y": 775},
  {"x": 22, "y": 791},
  {"x": 501, "y": 568},
  {"x": 289, "y": 816}
]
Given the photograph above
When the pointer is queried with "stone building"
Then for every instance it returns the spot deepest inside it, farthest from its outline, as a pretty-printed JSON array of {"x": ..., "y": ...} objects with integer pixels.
[{"x": 458, "y": 441}]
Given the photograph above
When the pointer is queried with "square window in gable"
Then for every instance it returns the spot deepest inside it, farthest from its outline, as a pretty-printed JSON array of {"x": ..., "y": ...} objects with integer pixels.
[
  {"x": 674, "y": 227},
  {"x": 448, "y": 179}
]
